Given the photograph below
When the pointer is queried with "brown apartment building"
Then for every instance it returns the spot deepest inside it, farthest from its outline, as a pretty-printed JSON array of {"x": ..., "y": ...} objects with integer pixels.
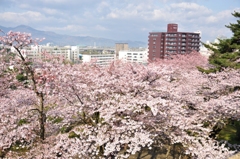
[{"x": 164, "y": 44}]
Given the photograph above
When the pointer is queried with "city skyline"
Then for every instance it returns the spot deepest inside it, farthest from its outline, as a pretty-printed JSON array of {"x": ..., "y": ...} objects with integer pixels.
[{"x": 121, "y": 20}]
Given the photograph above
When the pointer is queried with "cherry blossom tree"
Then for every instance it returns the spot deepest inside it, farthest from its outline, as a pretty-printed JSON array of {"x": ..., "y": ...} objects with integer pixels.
[
  {"x": 25, "y": 77},
  {"x": 171, "y": 102},
  {"x": 116, "y": 111}
]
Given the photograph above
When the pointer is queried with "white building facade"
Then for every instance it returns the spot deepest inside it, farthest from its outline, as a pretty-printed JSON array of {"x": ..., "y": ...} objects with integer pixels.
[
  {"x": 35, "y": 52},
  {"x": 140, "y": 56},
  {"x": 71, "y": 53},
  {"x": 99, "y": 59}
]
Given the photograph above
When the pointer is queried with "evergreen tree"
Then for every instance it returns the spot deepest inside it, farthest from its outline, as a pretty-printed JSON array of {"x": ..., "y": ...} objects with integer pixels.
[{"x": 226, "y": 53}]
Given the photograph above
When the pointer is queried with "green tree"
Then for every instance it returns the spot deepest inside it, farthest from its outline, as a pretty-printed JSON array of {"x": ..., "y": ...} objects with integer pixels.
[{"x": 226, "y": 53}]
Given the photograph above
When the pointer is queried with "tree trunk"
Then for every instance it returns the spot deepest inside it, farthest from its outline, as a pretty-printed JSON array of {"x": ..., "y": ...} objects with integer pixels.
[{"x": 42, "y": 117}]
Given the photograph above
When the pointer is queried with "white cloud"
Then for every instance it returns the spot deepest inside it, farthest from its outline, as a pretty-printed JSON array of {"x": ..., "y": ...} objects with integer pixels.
[
  {"x": 159, "y": 14},
  {"x": 100, "y": 27},
  {"x": 113, "y": 15},
  {"x": 127, "y": 9},
  {"x": 144, "y": 29},
  {"x": 87, "y": 15},
  {"x": 24, "y": 5},
  {"x": 112, "y": 18},
  {"x": 55, "y": 1},
  {"x": 211, "y": 19},
  {"x": 102, "y": 6},
  {"x": 181, "y": 12},
  {"x": 51, "y": 11},
  {"x": 189, "y": 6},
  {"x": 25, "y": 17},
  {"x": 71, "y": 28},
  {"x": 151, "y": 11},
  {"x": 222, "y": 17}
]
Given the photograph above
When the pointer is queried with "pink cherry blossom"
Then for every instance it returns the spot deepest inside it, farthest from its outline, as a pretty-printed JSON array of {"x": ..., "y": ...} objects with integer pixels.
[{"x": 89, "y": 111}]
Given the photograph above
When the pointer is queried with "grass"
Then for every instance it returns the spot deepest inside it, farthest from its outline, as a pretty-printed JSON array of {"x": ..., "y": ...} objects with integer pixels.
[{"x": 229, "y": 133}]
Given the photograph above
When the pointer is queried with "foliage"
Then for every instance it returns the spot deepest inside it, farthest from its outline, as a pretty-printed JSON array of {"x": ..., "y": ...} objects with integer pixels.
[
  {"x": 72, "y": 134},
  {"x": 22, "y": 121},
  {"x": 226, "y": 53},
  {"x": 55, "y": 119},
  {"x": 21, "y": 77},
  {"x": 231, "y": 132},
  {"x": 19, "y": 147}
]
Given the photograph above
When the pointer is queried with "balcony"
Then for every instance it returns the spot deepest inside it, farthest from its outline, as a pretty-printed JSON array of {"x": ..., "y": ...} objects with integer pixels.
[
  {"x": 195, "y": 36},
  {"x": 171, "y": 43},
  {"x": 171, "y": 35},
  {"x": 195, "y": 40},
  {"x": 171, "y": 39},
  {"x": 171, "y": 47}
]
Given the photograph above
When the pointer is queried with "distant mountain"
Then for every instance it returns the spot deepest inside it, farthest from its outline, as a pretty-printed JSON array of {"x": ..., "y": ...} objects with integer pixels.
[{"x": 62, "y": 40}]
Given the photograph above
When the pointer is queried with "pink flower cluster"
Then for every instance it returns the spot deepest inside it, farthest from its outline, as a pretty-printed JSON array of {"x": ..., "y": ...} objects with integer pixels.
[{"x": 115, "y": 111}]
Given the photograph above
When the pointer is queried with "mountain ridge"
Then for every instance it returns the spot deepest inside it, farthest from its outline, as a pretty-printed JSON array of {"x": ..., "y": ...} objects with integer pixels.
[{"x": 63, "y": 39}]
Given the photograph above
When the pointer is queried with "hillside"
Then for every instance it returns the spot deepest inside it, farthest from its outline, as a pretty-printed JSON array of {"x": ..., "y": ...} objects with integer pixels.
[{"x": 61, "y": 39}]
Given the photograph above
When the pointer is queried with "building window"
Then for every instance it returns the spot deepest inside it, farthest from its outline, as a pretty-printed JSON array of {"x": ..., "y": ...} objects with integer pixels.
[{"x": 154, "y": 35}]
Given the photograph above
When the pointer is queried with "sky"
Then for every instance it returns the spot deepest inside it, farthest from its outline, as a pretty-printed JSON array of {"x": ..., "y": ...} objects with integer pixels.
[{"x": 121, "y": 19}]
